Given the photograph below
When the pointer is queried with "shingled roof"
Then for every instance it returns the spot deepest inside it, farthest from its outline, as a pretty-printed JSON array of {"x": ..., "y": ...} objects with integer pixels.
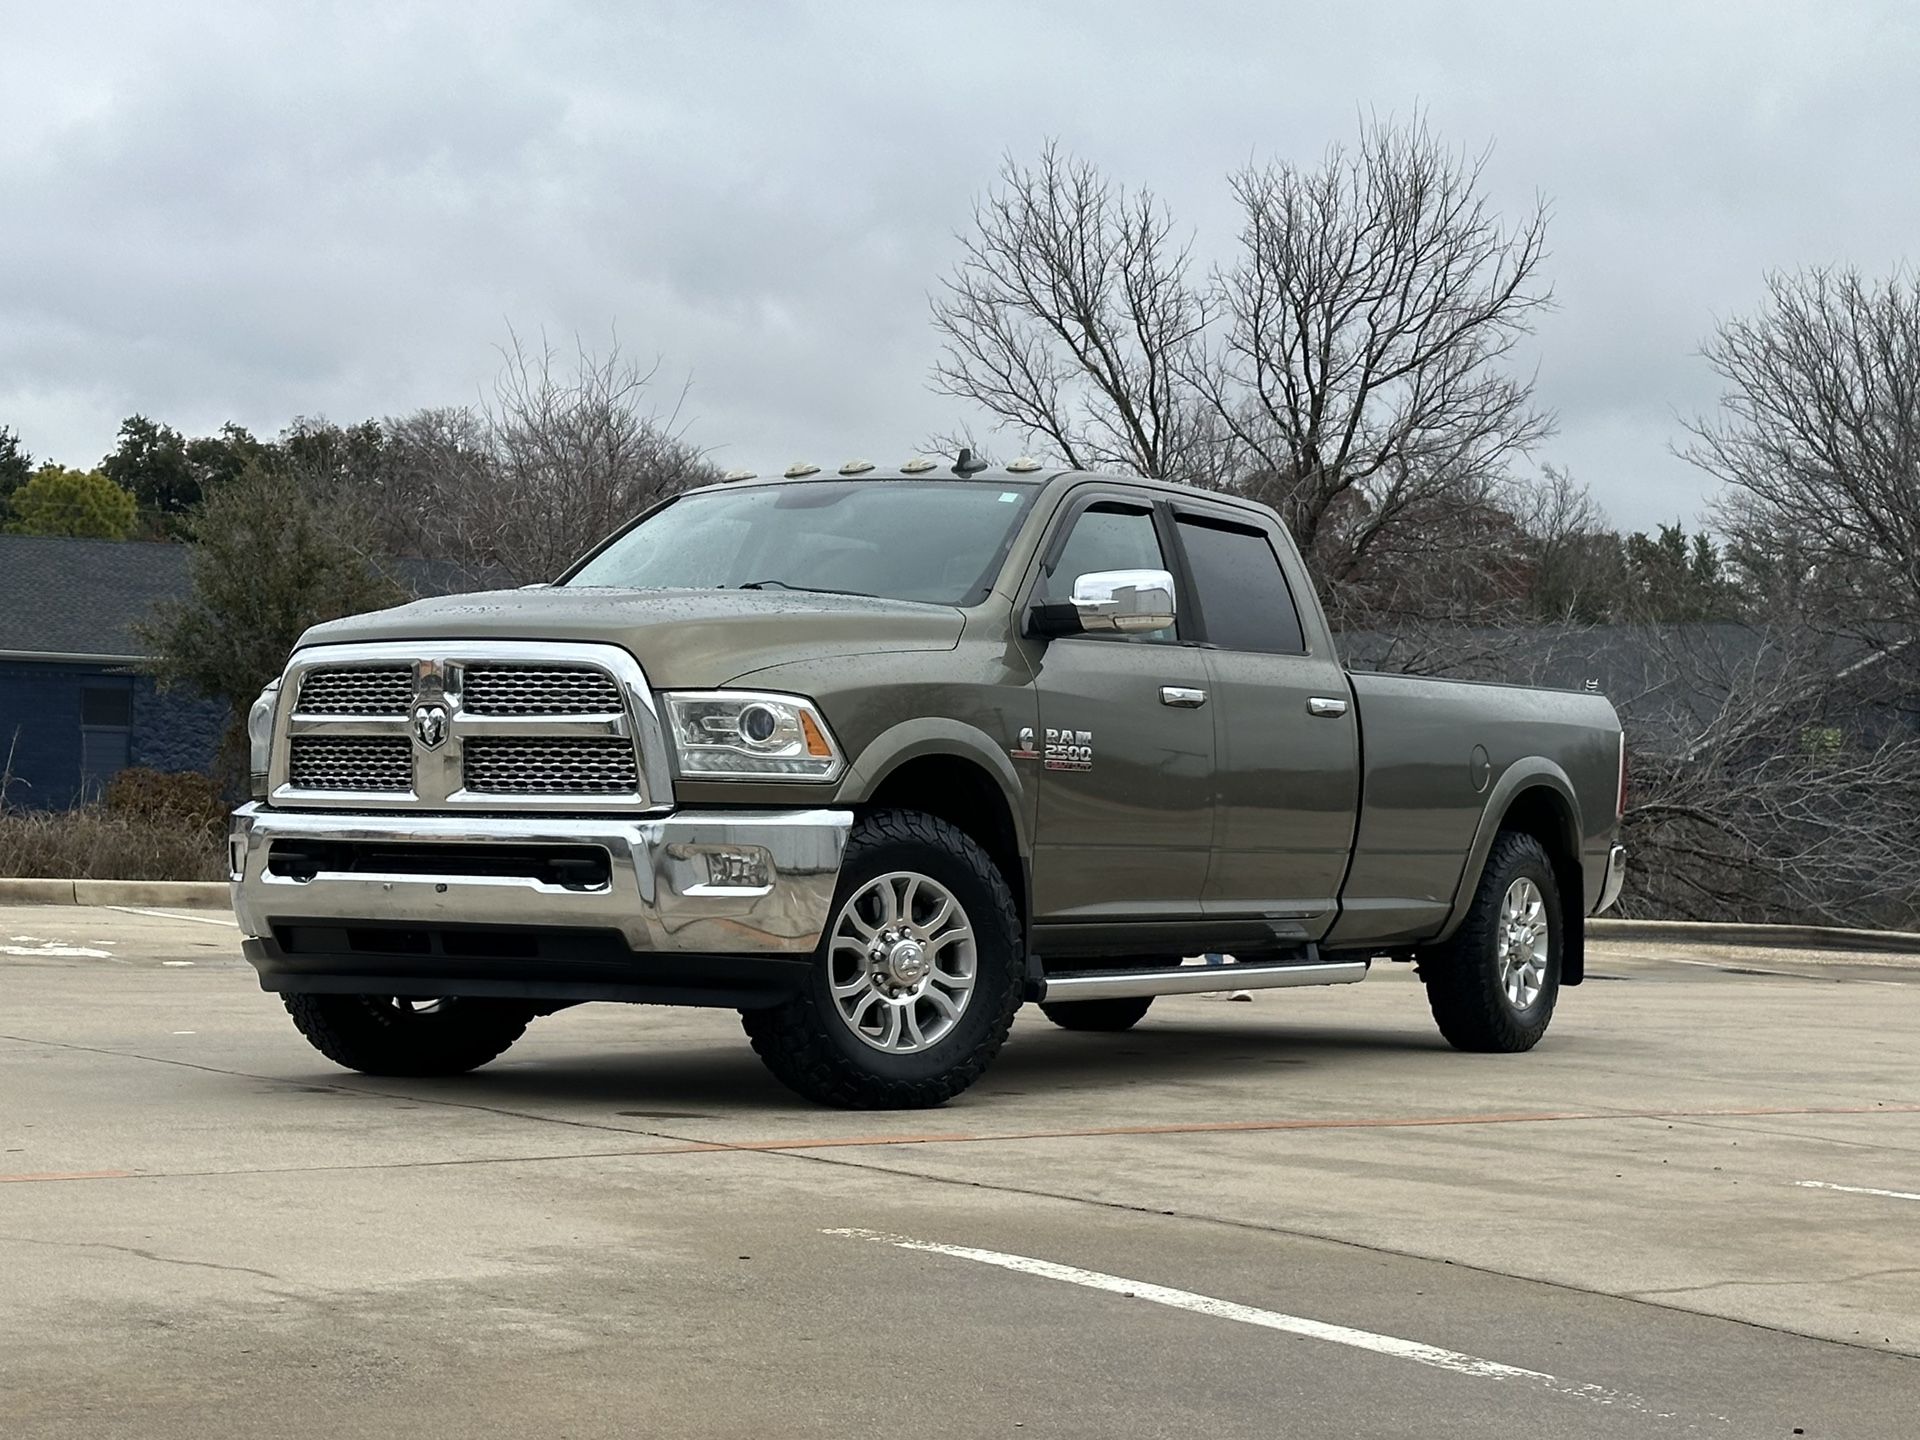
[{"x": 80, "y": 599}]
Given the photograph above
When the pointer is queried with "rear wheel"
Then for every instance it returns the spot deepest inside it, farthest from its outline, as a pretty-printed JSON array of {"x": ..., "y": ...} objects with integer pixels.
[
  {"x": 394, "y": 1035},
  {"x": 1109, "y": 1015},
  {"x": 917, "y": 977},
  {"x": 1492, "y": 987}
]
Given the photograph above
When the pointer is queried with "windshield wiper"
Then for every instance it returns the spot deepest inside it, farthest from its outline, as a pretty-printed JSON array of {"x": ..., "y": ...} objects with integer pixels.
[{"x": 809, "y": 589}]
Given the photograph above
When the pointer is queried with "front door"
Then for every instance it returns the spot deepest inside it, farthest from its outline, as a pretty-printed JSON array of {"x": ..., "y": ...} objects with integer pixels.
[{"x": 1125, "y": 746}]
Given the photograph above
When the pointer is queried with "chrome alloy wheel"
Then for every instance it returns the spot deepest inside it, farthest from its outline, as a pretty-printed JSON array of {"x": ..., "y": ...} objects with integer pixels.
[
  {"x": 1523, "y": 943},
  {"x": 902, "y": 962}
]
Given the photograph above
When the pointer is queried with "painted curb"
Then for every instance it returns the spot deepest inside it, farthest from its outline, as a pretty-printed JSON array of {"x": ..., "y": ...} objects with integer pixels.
[
  {"x": 175, "y": 894},
  {"x": 1778, "y": 937}
]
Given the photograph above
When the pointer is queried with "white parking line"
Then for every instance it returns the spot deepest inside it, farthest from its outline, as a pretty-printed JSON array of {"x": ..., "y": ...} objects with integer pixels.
[
  {"x": 55, "y": 949},
  {"x": 1414, "y": 1350},
  {"x": 170, "y": 915},
  {"x": 1856, "y": 1189}
]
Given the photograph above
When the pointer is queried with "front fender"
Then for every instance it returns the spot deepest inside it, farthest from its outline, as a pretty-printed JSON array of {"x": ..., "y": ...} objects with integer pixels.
[{"x": 935, "y": 735}]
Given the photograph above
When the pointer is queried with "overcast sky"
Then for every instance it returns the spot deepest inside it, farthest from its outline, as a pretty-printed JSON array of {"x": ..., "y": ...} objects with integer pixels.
[{"x": 253, "y": 212}]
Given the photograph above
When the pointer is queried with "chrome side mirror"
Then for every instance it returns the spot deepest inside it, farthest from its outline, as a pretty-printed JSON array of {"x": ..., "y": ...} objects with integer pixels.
[{"x": 1128, "y": 601}]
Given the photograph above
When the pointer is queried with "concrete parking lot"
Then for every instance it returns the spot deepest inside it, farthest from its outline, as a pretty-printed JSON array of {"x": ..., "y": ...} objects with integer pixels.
[{"x": 1695, "y": 1210}]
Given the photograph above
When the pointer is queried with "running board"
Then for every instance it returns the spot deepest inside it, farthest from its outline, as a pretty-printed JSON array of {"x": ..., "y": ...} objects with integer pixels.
[{"x": 1198, "y": 979}]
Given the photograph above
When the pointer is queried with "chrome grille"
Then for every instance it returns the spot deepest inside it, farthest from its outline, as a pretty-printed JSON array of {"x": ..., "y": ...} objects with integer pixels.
[
  {"x": 444, "y": 726},
  {"x": 496, "y": 766},
  {"x": 539, "y": 690},
  {"x": 317, "y": 762},
  {"x": 371, "y": 690}
]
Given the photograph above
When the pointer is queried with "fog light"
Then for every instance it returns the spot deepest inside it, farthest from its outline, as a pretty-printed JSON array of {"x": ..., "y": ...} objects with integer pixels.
[{"x": 737, "y": 869}]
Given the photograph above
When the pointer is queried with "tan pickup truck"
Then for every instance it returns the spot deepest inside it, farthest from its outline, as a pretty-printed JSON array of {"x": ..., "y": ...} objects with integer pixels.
[{"x": 874, "y": 758}]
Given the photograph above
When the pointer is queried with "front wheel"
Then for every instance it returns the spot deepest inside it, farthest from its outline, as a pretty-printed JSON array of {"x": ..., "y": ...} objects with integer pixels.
[
  {"x": 916, "y": 979},
  {"x": 393, "y": 1035},
  {"x": 1492, "y": 987}
]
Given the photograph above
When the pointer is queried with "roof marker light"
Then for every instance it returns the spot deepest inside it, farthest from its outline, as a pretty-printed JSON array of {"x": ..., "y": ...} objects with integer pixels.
[
  {"x": 736, "y": 475},
  {"x": 1025, "y": 465},
  {"x": 800, "y": 468},
  {"x": 856, "y": 467},
  {"x": 919, "y": 465}
]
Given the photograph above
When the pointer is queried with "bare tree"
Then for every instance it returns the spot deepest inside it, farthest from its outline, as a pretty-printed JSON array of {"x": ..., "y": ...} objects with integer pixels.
[
  {"x": 1367, "y": 315},
  {"x": 1345, "y": 367},
  {"x": 576, "y": 450},
  {"x": 564, "y": 451},
  {"x": 1573, "y": 554},
  {"x": 1070, "y": 321},
  {"x": 1818, "y": 440},
  {"x": 428, "y": 481},
  {"x": 1774, "y": 779}
]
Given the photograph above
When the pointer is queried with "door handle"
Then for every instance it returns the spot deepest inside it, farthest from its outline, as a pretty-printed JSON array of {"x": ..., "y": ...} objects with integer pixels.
[
  {"x": 1183, "y": 696},
  {"x": 1326, "y": 707}
]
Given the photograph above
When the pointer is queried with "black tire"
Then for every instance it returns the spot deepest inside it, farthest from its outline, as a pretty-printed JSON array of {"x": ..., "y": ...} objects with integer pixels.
[
  {"x": 1109, "y": 1015},
  {"x": 812, "y": 1050},
  {"x": 382, "y": 1035},
  {"x": 1465, "y": 988}
]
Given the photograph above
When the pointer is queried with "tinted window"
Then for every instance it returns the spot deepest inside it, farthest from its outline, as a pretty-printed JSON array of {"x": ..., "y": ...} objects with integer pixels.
[
  {"x": 1107, "y": 537},
  {"x": 940, "y": 541},
  {"x": 1104, "y": 537},
  {"x": 1243, "y": 595}
]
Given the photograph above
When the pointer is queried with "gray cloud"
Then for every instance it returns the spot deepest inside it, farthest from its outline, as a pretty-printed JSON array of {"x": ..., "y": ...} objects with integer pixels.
[{"x": 252, "y": 212}]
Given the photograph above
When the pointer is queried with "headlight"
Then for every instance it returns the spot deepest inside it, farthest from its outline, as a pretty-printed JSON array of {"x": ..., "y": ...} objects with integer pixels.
[
  {"x": 746, "y": 735},
  {"x": 260, "y": 738}
]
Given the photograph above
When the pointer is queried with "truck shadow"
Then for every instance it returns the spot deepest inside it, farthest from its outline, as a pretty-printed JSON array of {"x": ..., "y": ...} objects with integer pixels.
[{"x": 700, "y": 1082}]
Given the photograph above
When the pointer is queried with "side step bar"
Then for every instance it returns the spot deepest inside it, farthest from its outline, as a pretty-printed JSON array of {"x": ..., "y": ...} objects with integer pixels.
[{"x": 1199, "y": 979}]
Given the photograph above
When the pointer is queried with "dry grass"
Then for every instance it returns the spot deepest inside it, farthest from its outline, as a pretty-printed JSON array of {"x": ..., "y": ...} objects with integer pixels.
[{"x": 93, "y": 844}]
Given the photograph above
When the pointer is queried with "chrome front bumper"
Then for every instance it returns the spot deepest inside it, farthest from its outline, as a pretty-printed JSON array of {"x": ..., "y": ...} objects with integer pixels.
[
  {"x": 691, "y": 882},
  {"x": 1616, "y": 878}
]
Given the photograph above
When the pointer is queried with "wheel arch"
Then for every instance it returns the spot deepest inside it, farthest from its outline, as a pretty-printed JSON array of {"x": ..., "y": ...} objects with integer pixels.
[
  {"x": 1534, "y": 797},
  {"x": 952, "y": 771}
]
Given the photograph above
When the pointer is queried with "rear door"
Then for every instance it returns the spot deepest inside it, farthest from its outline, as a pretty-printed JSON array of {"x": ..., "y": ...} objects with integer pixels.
[
  {"x": 1124, "y": 755},
  {"x": 1285, "y": 731}
]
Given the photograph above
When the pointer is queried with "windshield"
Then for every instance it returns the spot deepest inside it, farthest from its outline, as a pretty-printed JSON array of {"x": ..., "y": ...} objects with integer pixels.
[{"x": 939, "y": 541}]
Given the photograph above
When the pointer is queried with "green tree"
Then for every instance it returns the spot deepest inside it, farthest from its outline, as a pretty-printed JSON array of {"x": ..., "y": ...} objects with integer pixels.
[
  {"x": 218, "y": 459},
  {"x": 271, "y": 557},
  {"x": 16, "y": 467},
  {"x": 151, "y": 462},
  {"x": 82, "y": 503},
  {"x": 1672, "y": 577}
]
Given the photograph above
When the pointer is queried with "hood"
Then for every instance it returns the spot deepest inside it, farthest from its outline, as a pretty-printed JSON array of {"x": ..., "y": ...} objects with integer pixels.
[{"x": 685, "y": 639}]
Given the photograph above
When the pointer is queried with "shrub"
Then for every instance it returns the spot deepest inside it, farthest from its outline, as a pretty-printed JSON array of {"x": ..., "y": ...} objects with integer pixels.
[
  {"x": 94, "y": 843},
  {"x": 184, "y": 797}
]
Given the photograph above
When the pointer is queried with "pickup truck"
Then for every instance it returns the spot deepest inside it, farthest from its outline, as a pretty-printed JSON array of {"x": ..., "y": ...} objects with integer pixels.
[{"x": 876, "y": 757}]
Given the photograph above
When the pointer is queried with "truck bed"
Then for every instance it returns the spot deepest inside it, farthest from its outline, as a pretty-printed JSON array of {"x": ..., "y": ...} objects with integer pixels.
[{"x": 1435, "y": 757}]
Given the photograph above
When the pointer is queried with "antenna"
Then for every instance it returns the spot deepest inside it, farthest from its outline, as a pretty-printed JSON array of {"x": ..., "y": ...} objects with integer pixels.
[{"x": 966, "y": 464}]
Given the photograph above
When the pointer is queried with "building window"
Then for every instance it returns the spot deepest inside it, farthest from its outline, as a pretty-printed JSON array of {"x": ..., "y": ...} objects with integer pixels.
[{"x": 106, "y": 727}]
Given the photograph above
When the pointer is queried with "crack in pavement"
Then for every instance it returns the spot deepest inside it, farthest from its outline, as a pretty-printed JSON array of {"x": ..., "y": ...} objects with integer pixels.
[
  {"x": 337, "y": 1088},
  {"x": 1809, "y": 1280},
  {"x": 1724, "y": 1123},
  {"x": 143, "y": 1254}
]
